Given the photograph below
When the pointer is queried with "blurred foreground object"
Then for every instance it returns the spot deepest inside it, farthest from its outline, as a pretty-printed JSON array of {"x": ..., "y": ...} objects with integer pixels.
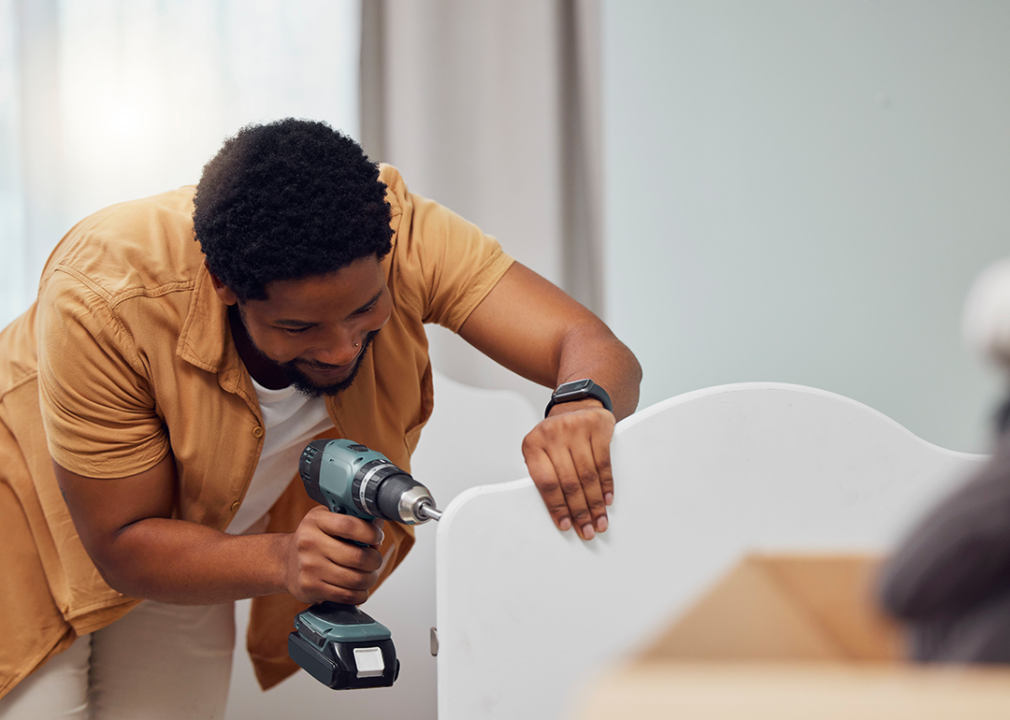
[
  {"x": 783, "y": 636},
  {"x": 950, "y": 579},
  {"x": 986, "y": 317}
]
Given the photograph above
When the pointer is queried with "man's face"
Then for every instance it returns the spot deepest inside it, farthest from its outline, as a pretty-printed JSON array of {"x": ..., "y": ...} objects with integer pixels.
[{"x": 317, "y": 329}]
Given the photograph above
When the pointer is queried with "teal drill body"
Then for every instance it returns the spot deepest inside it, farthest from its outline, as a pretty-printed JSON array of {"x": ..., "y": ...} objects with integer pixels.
[{"x": 338, "y": 644}]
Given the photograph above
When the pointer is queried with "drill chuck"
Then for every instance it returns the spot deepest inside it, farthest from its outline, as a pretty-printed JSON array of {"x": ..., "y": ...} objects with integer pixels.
[{"x": 348, "y": 477}]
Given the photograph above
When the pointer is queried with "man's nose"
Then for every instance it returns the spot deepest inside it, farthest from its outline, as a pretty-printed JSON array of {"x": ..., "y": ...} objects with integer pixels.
[{"x": 339, "y": 352}]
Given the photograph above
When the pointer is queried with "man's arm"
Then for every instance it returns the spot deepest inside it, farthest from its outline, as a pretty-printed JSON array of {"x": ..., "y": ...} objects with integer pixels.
[
  {"x": 534, "y": 329},
  {"x": 126, "y": 527}
]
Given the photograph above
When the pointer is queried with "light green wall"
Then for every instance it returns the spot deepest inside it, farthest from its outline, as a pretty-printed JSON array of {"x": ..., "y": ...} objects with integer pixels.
[{"x": 803, "y": 192}]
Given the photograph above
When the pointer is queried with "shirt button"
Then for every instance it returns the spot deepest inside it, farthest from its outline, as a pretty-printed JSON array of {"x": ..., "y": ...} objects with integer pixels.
[
  {"x": 234, "y": 505},
  {"x": 258, "y": 431}
]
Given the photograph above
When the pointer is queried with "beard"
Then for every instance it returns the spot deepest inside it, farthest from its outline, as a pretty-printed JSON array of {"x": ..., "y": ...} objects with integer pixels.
[
  {"x": 289, "y": 370},
  {"x": 304, "y": 385},
  {"x": 301, "y": 381}
]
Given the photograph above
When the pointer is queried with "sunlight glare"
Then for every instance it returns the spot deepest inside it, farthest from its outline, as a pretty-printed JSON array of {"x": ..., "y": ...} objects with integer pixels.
[{"x": 124, "y": 120}]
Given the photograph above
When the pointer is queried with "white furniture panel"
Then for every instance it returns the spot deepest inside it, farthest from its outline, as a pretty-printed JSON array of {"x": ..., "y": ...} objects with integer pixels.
[{"x": 526, "y": 613}]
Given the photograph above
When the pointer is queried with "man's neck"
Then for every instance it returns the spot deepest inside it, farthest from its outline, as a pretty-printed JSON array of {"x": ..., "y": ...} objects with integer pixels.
[{"x": 263, "y": 371}]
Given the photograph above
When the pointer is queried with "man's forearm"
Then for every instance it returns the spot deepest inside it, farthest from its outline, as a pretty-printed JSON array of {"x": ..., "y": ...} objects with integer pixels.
[
  {"x": 591, "y": 351},
  {"x": 531, "y": 327},
  {"x": 183, "y": 563}
]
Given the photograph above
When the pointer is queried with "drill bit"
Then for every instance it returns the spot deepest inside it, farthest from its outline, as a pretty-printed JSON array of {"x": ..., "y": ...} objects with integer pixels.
[{"x": 429, "y": 512}]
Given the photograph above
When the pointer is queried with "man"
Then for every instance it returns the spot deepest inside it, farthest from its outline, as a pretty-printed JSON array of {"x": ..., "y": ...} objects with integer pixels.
[{"x": 174, "y": 383}]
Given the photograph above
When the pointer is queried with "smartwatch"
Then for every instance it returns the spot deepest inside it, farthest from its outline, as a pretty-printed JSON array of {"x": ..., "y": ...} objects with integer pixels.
[{"x": 578, "y": 390}]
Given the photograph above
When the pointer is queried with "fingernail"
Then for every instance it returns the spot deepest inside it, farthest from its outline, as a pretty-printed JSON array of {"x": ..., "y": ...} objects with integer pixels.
[
  {"x": 587, "y": 531},
  {"x": 602, "y": 524},
  {"x": 609, "y": 498},
  {"x": 382, "y": 536},
  {"x": 565, "y": 524}
]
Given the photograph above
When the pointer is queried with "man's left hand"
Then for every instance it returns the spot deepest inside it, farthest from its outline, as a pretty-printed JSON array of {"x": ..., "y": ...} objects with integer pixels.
[{"x": 568, "y": 456}]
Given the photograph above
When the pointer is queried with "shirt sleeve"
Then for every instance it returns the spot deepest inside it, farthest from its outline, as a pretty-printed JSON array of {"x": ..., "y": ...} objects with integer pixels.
[
  {"x": 97, "y": 405},
  {"x": 443, "y": 263}
]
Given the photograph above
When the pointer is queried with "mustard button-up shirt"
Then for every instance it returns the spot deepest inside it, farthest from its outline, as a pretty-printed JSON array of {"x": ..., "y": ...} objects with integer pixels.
[{"x": 127, "y": 356}]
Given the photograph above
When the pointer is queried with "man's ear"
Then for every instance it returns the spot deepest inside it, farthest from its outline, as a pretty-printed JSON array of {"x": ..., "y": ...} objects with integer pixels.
[{"x": 222, "y": 290}]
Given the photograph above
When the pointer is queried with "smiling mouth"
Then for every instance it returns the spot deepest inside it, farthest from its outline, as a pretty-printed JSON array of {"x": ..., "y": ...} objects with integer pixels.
[
  {"x": 317, "y": 379},
  {"x": 329, "y": 370}
]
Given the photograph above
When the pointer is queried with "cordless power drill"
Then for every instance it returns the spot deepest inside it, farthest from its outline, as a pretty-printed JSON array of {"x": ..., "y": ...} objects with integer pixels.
[{"x": 337, "y": 644}]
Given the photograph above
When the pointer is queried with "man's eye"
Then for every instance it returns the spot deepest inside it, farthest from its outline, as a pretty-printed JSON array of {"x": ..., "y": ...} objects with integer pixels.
[{"x": 295, "y": 331}]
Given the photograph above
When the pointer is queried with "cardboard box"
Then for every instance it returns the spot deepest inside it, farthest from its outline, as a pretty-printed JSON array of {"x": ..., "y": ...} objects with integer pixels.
[{"x": 789, "y": 637}]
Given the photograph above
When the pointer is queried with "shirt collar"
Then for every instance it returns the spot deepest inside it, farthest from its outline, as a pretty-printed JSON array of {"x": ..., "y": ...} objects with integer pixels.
[{"x": 205, "y": 340}]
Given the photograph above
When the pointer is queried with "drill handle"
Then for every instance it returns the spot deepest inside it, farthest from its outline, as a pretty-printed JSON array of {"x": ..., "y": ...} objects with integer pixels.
[
  {"x": 342, "y": 510},
  {"x": 340, "y": 613}
]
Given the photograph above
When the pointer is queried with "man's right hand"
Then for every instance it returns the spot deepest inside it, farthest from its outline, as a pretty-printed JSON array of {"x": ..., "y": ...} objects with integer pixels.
[{"x": 324, "y": 563}]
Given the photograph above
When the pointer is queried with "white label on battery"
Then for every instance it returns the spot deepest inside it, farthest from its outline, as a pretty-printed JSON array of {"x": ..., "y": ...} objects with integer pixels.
[{"x": 369, "y": 662}]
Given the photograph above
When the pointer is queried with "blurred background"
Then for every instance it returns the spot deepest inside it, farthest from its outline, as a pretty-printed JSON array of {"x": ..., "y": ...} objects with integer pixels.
[
  {"x": 787, "y": 191},
  {"x": 784, "y": 191}
]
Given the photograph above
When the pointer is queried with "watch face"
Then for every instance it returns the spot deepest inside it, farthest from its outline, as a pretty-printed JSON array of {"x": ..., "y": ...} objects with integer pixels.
[
  {"x": 572, "y": 388},
  {"x": 577, "y": 390}
]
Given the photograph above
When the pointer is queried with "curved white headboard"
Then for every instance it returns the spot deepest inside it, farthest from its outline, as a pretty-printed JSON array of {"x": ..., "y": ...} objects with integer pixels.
[{"x": 526, "y": 613}]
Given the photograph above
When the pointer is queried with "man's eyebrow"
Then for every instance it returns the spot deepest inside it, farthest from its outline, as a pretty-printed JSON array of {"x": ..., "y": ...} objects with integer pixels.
[{"x": 375, "y": 299}]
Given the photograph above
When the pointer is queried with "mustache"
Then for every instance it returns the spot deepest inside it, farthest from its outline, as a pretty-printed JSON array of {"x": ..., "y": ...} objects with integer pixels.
[
  {"x": 321, "y": 366},
  {"x": 326, "y": 366}
]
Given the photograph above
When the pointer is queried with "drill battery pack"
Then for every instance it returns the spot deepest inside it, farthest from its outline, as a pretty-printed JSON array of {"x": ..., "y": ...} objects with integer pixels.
[{"x": 343, "y": 648}]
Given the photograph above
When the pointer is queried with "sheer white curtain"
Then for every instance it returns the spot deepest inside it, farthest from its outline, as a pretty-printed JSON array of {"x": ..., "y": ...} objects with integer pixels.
[
  {"x": 12, "y": 250},
  {"x": 107, "y": 100}
]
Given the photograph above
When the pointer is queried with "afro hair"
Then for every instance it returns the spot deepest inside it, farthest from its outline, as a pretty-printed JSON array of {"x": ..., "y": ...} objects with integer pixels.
[{"x": 288, "y": 200}]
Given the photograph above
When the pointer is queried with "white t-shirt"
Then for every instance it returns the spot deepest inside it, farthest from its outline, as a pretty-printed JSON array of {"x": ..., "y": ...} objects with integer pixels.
[{"x": 290, "y": 420}]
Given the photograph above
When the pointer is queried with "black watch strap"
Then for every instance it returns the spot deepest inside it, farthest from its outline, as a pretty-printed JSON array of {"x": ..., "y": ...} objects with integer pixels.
[{"x": 579, "y": 390}]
